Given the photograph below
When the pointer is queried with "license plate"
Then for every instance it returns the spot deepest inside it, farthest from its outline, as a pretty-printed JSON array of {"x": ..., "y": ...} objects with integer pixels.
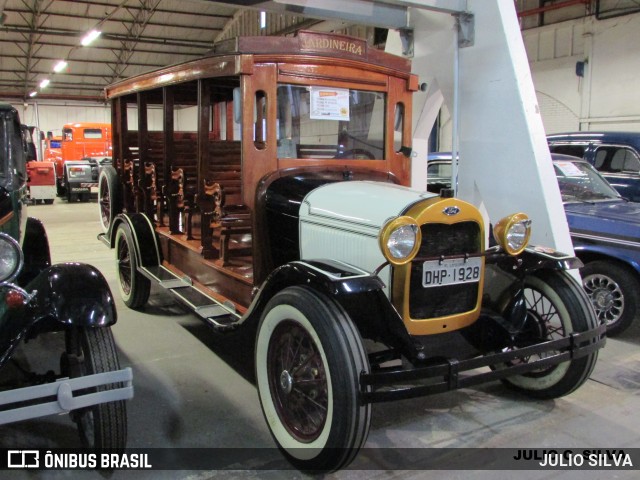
[{"x": 436, "y": 273}]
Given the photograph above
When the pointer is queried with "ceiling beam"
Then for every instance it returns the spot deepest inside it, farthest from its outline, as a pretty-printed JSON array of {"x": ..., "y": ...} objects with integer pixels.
[
  {"x": 134, "y": 32},
  {"x": 120, "y": 20},
  {"x": 158, "y": 10},
  {"x": 108, "y": 36}
]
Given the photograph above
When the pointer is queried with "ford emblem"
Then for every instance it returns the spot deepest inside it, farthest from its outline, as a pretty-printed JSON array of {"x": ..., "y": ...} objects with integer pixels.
[{"x": 451, "y": 211}]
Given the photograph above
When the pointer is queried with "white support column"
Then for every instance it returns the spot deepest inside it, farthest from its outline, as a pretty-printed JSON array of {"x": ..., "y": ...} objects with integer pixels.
[{"x": 505, "y": 165}]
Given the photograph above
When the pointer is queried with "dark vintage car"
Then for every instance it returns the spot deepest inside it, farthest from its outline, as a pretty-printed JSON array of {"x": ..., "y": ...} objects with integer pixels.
[
  {"x": 605, "y": 230},
  {"x": 616, "y": 155},
  {"x": 65, "y": 300}
]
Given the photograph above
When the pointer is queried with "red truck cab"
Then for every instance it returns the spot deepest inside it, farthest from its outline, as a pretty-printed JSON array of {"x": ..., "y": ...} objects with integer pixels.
[{"x": 79, "y": 142}]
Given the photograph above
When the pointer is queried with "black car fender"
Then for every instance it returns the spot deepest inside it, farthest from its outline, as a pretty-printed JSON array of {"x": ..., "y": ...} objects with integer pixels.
[
  {"x": 61, "y": 296},
  {"x": 360, "y": 293},
  {"x": 72, "y": 294},
  {"x": 508, "y": 296},
  {"x": 145, "y": 242}
]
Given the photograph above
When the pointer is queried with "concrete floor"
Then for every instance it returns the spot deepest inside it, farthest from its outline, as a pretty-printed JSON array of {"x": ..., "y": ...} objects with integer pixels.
[{"x": 187, "y": 396}]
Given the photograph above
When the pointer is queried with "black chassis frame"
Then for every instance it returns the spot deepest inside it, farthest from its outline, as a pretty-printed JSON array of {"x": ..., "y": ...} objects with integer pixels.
[{"x": 361, "y": 294}]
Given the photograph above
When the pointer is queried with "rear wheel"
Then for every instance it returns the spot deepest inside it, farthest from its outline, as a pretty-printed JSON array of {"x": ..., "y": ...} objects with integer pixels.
[
  {"x": 556, "y": 307},
  {"x": 90, "y": 351},
  {"x": 614, "y": 292},
  {"x": 109, "y": 196},
  {"x": 308, "y": 358},
  {"x": 134, "y": 287}
]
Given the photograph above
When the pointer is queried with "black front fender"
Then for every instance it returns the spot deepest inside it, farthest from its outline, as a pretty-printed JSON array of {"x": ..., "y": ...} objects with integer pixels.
[
  {"x": 532, "y": 259},
  {"x": 73, "y": 294},
  {"x": 360, "y": 293},
  {"x": 63, "y": 295}
]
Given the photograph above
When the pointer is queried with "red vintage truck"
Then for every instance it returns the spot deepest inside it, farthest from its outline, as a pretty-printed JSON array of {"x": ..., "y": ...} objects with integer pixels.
[{"x": 76, "y": 156}]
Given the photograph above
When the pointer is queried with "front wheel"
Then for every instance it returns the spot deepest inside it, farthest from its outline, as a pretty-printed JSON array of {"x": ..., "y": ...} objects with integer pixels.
[
  {"x": 614, "y": 292},
  {"x": 308, "y": 357},
  {"x": 556, "y": 307},
  {"x": 91, "y": 351},
  {"x": 134, "y": 287}
]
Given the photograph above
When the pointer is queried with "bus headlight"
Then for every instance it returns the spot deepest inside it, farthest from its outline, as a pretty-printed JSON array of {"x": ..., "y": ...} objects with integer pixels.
[
  {"x": 513, "y": 232},
  {"x": 400, "y": 240}
]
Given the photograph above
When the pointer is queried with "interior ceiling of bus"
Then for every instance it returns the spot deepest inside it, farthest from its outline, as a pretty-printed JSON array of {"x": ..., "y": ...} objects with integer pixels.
[{"x": 136, "y": 36}]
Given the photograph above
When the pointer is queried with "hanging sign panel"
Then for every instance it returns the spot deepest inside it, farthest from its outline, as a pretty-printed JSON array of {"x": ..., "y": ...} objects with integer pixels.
[{"x": 329, "y": 103}]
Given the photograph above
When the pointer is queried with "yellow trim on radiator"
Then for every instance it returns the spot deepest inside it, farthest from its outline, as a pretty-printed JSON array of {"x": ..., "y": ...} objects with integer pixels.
[{"x": 433, "y": 211}]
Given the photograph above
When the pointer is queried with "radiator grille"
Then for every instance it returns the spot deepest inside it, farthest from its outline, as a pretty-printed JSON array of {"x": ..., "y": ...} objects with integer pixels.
[{"x": 441, "y": 239}]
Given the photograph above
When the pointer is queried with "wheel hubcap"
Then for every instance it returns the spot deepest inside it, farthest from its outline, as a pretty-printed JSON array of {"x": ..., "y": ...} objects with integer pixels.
[
  {"x": 606, "y": 297},
  {"x": 286, "y": 382}
]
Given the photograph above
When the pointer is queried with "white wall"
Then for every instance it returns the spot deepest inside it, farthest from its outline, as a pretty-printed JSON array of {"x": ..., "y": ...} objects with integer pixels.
[
  {"x": 607, "y": 97},
  {"x": 50, "y": 116}
]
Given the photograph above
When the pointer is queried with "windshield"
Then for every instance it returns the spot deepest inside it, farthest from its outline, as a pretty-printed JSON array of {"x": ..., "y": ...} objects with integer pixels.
[
  {"x": 329, "y": 122},
  {"x": 579, "y": 182}
]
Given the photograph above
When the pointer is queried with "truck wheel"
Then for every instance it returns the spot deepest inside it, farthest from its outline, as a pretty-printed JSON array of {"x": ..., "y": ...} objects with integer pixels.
[
  {"x": 90, "y": 351},
  {"x": 109, "y": 196},
  {"x": 134, "y": 287},
  {"x": 556, "y": 306},
  {"x": 614, "y": 292},
  {"x": 308, "y": 359}
]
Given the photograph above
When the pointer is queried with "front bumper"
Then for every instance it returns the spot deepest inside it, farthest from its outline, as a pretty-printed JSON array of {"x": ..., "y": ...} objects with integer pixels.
[
  {"x": 395, "y": 383},
  {"x": 64, "y": 395}
]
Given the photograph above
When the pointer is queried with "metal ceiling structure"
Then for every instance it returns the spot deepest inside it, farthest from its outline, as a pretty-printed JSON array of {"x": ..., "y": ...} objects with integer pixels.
[
  {"x": 141, "y": 35},
  {"x": 137, "y": 35}
]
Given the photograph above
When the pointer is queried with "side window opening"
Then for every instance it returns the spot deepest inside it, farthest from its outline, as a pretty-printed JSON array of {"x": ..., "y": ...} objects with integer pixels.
[
  {"x": 92, "y": 133},
  {"x": 631, "y": 162},
  {"x": 574, "y": 150},
  {"x": 67, "y": 135},
  {"x": 260, "y": 120},
  {"x": 398, "y": 127},
  {"x": 601, "y": 156}
]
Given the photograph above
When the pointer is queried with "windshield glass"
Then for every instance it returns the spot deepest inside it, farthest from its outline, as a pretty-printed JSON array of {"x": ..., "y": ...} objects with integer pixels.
[
  {"x": 329, "y": 122},
  {"x": 579, "y": 182}
]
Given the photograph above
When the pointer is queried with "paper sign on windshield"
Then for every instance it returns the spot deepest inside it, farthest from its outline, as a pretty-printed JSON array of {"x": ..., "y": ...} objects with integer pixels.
[
  {"x": 329, "y": 103},
  {"x": 569, "y": 169}
]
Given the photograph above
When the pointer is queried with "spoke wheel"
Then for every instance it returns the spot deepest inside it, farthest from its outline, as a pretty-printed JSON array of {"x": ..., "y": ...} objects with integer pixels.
[
  {"x": 298, "y": 380},
  {"x": 109, "y": 196},
  {"x": 308, "y": 358},
  {"x": 614, "y": 291},
  {"x": 134, "y": 287},
  {"x": 556, "y": 307}
]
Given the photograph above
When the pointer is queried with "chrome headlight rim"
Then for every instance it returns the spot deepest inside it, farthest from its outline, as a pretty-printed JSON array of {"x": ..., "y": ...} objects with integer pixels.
[
  {"x": 9, "y": 246},
  {"x": 505, "y": 228},
  {"x": 393, "y": 226}
]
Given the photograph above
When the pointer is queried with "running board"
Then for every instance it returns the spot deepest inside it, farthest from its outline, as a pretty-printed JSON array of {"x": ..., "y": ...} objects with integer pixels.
[{"x": 221, "y": 316}]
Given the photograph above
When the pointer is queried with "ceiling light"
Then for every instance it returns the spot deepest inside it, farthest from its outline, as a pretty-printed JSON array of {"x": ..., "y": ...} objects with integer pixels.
[
  {"x": 61, "y": 65},
  {"x": 90, "y": 37},
  {"x": 33, "y": 94},
  {"x": 44, "y": 83}
]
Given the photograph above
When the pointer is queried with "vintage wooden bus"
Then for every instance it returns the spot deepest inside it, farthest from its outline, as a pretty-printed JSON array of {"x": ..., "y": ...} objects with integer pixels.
[{"x": 265, "y": 186}]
